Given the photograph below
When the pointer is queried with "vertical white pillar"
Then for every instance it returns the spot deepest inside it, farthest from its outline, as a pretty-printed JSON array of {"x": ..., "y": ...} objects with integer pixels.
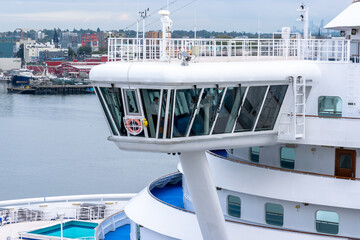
[
  {"x": 203, "y": 195},
  {"x": 137, "y": 39},
  {"x": 166, "y": 27},
  {"x": 144, "y": 43}
]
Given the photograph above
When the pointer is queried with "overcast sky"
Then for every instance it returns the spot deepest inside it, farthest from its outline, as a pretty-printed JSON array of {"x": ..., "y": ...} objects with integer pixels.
[{"x": 217, "y": 15}]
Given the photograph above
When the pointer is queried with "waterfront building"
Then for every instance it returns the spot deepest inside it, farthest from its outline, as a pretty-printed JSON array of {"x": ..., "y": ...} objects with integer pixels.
[
  {"x": 6, "y": 48},
  {"x": 69, "y": 39},
  {"x": 90, "y": 40},
  {"x": 33, "y": 51}
]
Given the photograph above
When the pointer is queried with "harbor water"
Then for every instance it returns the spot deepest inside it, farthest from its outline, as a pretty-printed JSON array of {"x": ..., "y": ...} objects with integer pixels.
[{"x": 54, "y": 145}]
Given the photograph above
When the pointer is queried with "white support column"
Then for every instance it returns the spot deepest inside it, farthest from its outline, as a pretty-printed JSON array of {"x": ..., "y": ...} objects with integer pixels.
[
  {"x": 203, "y": 195},
  {"x": 166, "y": 27}
]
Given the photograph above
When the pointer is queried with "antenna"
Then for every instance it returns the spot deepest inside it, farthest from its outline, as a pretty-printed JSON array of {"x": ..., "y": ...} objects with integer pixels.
[
  {"x": 259, "y": 34},
  {"x": 137, "y": 28},
  {"x": 195, "y": 23},
  {"x": 304, "y": 18},
  {"x": 144, "y": 15}
]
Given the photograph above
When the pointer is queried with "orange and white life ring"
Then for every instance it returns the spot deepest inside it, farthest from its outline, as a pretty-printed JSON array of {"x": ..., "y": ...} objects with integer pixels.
[{"x": 133, "y": 126}]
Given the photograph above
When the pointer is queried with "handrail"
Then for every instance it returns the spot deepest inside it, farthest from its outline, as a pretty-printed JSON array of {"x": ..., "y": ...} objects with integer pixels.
[
  {"x": 100, "y": 197},
  {"x": 244, "y": 223},
  {"x": 279, "y": 169},
  {"x": 128, "y": 49},
  {"x": 99, "y": 230},
  {"x": 334, "y": 117}
]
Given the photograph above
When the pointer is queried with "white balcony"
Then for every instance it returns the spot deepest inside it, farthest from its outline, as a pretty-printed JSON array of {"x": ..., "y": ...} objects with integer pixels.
[{"x": 127, "y": 49}]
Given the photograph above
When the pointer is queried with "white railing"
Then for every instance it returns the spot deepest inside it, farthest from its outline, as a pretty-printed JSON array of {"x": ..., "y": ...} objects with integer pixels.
[
  {"x": 46, "y": 208},
  {"x": 111, "y": 224},
  {"x": 25, "y": 235},
  {"x": 127, "y": 49},
  {"x": 93, "y": 197}
]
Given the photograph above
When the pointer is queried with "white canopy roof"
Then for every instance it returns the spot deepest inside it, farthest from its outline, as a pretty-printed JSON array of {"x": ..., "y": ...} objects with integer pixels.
[
  {"x": 165, "y": 74},
  {"x": 349, "y": 18}
]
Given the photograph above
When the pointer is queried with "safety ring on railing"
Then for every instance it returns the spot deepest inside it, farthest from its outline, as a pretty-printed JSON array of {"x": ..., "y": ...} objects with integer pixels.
[{"x": 133, "y": 126}]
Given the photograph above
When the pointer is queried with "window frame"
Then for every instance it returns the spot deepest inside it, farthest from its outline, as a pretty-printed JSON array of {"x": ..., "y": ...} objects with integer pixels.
[
  {"x": 334, "y": 114},
  {"x": 110, "y": 121},
  {"x": 170, "y": 108},
  {"x": 240, "y": 108},
  {"x": 281, "y": 148},
  {"x": 283, "y": 214},
  {"x": 338, "y": 226},
  {"x": 218, "y": 111},
  {"x": 196, "y": 111},
  {"x": 227, "y": 205},
  {"x": 251, "y": 153},
  {"x": 139, "y": 105}
]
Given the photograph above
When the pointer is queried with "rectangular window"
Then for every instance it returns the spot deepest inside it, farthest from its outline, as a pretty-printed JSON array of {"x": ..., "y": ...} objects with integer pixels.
[
  {"x": 162, "y": 113},
  {"x": 150, "y": 99},
  {"x": 170, "y": 115},
  {"x": 345, "y": 161},
  {"x": 205, "y": 117},
  {"x": 274, "y": 214},
  {"x": 229, "y": 110},
  {"x": 329, "y": 106},
  {"x": 132, "y": 102},
  {"x": 327, "y": 222},
  {"x": 113, "y": 100},
  {"x": 255, "y": 154},
  {"x": 271, "y": 109},
  {"x": 186, "y": 101},
  {"x": 234, "y": 206},
  {"x": 250, "y": 109},
  {"x": 287, "y": 158},
  {"x": 108, "y": 118}
]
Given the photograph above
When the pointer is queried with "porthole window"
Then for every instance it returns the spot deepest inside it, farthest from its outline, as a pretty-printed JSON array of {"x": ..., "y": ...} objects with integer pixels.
[
  {"x": 327, "y": 222},
  {"x": 329, "y": 106},
  {"x": 255, "y": 154},
  {"x": 287, "y": 158},
  {"x": 234, "y": 206},
  {"x": 274, "y": 214}
]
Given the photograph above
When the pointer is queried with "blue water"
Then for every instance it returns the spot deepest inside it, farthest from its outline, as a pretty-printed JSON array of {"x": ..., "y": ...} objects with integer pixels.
[
  {"x": 171, "y": 194},
  {"x": 121, "y": 233},
  {"x": 54, "y": 145},
  {"x": 72, "y": 229}
]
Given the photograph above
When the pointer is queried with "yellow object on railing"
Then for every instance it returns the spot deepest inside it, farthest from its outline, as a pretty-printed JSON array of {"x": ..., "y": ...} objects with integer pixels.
[{"x": 145, "y": 122}]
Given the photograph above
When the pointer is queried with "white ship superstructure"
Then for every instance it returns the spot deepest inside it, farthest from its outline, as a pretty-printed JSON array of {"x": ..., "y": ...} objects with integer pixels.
[
  {"x": 278, "y": 119},
  {"x": 266, "y": 131}
]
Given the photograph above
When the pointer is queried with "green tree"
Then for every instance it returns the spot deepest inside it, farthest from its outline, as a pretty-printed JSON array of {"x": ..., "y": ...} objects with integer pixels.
[
  {"x": 71, "y": 53},
  {"x": 84, "y": 50},
  {"x": 223, "y": 36},
  {"x": 20, "y": 53}
]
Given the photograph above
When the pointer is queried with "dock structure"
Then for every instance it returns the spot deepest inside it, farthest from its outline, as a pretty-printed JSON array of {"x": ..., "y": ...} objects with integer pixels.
[{"x": 53, "y": 89}]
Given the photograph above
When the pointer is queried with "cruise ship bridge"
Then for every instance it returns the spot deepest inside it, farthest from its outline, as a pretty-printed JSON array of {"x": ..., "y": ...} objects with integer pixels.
[
  {"x": 187, "y": 109},
  {"x": 170, "y": 108},
  {"x": 187, "y": 96}
]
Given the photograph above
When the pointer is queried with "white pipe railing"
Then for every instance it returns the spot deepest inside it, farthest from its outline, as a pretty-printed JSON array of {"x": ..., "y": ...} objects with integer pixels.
[
  {"x": 127, "y": 49},
  {"x": 93, "y": 197},
  {"x": 36, "y": 209},
  {"x": 111, "y": 224}
]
